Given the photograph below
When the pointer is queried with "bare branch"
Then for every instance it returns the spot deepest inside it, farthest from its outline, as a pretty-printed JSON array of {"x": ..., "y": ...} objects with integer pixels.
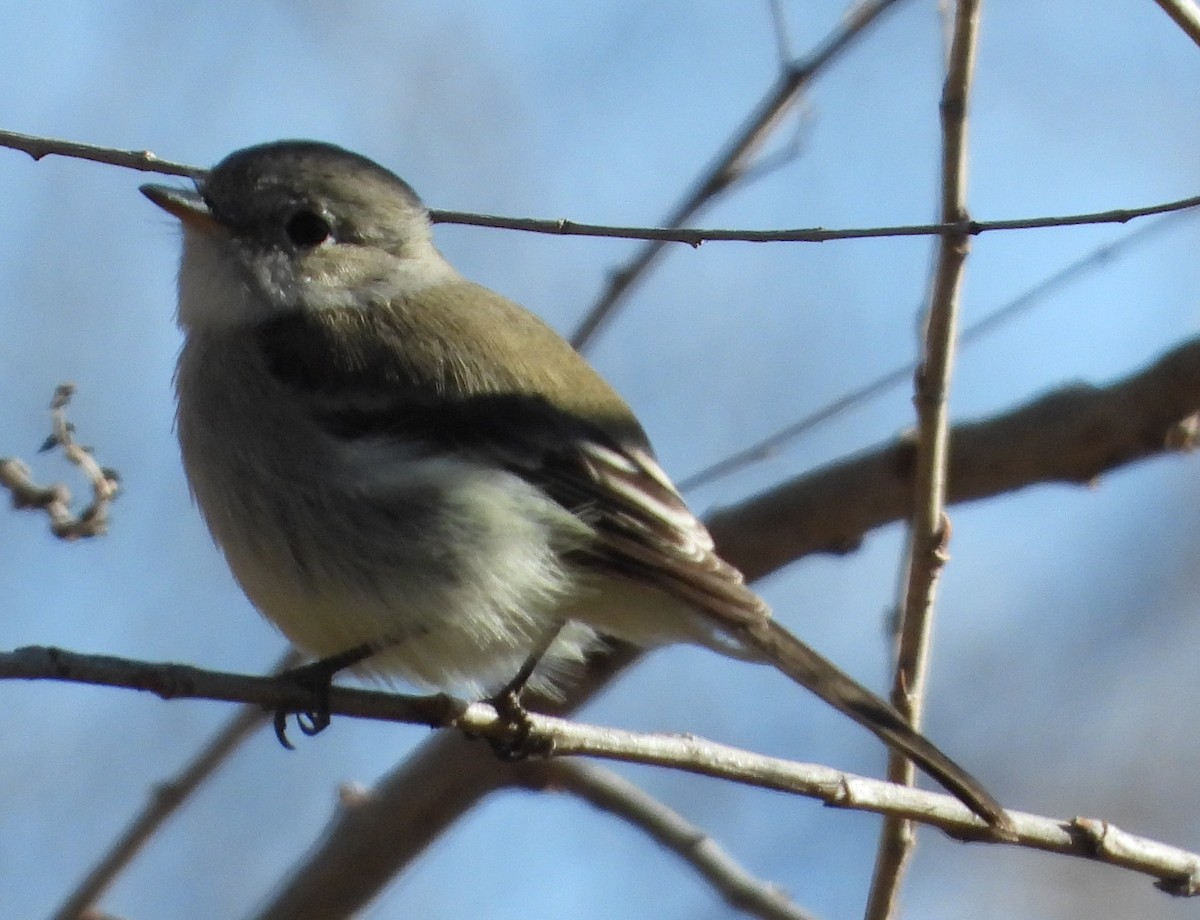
[
  {"x": 695, "y": 237},
  {"x": 929, "y": 527},
  {"x": 145, "y": 161},
  {"x": 1186, "y": 15},
  {"x": 447, "y": 776},
  {"x": 550, "y": 734},
  {"x": 1178, "y": 871},
  {"x": 365, "y": 847},
  {"x": 142, "y": 160},
  {"x": 609, "y": 792},
  {"x": 166, "y": 799},
  {"x": 55, "y": 500},
  {"x": 181, "y": 681},
  {"x": 731, "y": 162},
  {"x": 1070, "y": 435}
]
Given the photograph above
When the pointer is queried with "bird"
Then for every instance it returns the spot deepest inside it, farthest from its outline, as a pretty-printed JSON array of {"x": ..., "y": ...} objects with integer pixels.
[{"x": 395, "y": 459}]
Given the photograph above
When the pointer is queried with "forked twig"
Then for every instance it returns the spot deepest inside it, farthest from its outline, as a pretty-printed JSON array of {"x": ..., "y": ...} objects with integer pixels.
[{"x": 55, "y": 500}]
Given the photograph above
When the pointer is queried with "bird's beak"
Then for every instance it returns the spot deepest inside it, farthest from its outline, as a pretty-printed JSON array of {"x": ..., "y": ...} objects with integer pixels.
[{"x": 186, "y": 205}]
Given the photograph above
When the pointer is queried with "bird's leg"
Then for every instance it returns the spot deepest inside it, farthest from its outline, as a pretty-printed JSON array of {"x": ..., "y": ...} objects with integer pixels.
[
  {"x": 509, "y": 707},
  {"x": 316, "y": 678}
]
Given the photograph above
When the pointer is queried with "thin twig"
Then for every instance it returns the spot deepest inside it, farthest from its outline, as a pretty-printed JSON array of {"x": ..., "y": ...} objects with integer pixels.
[
  {"x": 730, "y": 163},
  {"x": 691, "y": 236},
  {"x": 607, "y": 791},
  {"x": 142, "y": 160},
  {"x": 779, "y": 27},
  {"x": 167, "y": 798},
  {"x": 1186, "y": 15},
  {"x": 929, "y": 527},
  {"x": 55, "y": 500},
  {"x": 695, "y": 237}
]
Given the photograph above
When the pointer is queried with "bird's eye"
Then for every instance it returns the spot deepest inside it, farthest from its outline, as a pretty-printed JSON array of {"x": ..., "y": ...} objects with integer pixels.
[{"x": 307, "y": 229}]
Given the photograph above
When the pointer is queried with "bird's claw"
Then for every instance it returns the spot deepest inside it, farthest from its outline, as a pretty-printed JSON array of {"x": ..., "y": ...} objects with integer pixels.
[
  {"x": 520, "y": 743},
  {"x": 315, "y": 679}
]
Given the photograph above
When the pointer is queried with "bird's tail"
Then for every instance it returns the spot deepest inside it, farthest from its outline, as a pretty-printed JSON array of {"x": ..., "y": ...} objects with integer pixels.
[{"x": 776, "y": 646}]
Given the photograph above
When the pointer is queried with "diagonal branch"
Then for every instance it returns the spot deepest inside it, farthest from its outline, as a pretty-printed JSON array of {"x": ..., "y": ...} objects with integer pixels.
[
  {"x": 166, "y": 799},
  {"x": 605, "y": 790},
  {"x": 731, "y": 162},
  {"x": 447, "y": 777},
  {"x": 1070, "y": 435},
  {"x": 1186, "y": 15}
]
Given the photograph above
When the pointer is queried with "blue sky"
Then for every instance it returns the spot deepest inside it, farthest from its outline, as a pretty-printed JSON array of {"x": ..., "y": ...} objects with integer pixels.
[{"x": 1064, "y": 659}]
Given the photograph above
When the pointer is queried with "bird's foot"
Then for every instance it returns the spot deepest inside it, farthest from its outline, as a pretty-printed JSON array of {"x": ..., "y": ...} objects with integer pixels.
[{"x": 316, "y": 680}]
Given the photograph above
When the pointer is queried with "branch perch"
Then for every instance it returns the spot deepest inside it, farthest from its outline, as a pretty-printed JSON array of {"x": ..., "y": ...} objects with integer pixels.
[
  {"x": 545, "y": 732},
  {"x": 1176, "y": 871}
]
